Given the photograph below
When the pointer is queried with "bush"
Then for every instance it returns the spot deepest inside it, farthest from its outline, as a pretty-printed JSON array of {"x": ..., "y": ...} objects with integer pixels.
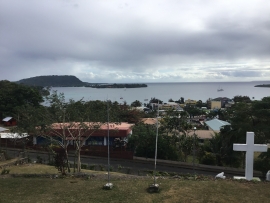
[
  {"x": 83, "y": 166},
  {"x": 101, "y": 168},
  {"x": 59, "y": 161},
  {"x": 39, "y": 160},
  {"x": 92, "y": 167},
  {"x": 261, "y": 165},
  {"x": 208, "y": 159},
  {"x": 5, "y": 171},
  {"x": 119, "y": 167}
]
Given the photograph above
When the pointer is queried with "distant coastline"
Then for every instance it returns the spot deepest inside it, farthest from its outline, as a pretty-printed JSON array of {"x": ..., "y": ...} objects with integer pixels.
[
  {"x": 263, "y": 85},
  {"x": 71, "y": 81},
  {"x": 137, "y": 85}
]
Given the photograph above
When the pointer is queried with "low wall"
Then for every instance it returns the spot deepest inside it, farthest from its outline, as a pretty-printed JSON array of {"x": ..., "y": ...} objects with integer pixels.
[{"x": 201, "y": 167}]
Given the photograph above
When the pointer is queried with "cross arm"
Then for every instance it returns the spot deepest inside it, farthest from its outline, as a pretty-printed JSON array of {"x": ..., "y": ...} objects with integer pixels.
[
  {"x": 239, "y": 147},
  {"x": 260, "y": 148}
]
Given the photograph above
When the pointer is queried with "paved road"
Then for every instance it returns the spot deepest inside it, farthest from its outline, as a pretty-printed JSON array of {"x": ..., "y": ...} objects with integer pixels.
[{"x": 132, "y": 166}]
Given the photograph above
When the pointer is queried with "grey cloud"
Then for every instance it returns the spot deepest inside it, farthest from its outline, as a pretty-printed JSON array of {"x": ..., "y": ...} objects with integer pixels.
[{"x": 57, "y": 37}]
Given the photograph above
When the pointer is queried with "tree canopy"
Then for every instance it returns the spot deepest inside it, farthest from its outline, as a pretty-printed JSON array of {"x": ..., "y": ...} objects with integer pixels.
[{"x": 14, "y": 96}]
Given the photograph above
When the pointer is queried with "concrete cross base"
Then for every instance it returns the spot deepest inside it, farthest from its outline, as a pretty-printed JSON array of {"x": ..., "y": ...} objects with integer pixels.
[
  {"x": 108, "y": 186},
  {"x": 244, "y": 178},
  {"x": 153, "y": 188}
]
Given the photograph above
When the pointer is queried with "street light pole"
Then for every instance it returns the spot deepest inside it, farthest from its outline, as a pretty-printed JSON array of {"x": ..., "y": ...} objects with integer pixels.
[
  {"x": 194, "y": 150},
  {"x": 108, "y": 185},
  {"x": 155, "y": 187},
  {"x": 156, "y": 146}
]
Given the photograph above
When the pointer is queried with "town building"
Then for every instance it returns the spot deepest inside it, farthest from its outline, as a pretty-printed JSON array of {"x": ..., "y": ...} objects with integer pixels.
[
  {"x": 220, "y": 102},
  {"x": 216, "y": 124},
  {"x": 94, "y": 134},
  {"x": 190, "y": 102},
  {"x": 9, "y": 121}
]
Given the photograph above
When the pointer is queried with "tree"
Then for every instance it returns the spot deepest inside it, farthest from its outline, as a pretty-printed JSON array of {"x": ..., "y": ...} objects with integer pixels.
[
  {"x": 136, "y": 103},
  {"x": 14, "y": 96},
  {"x": 175, "y": 121},
  {"x": 76, "y": 121},
  {"x": 253, "y": 117},
  {"x": 180, "y": 101},
  {"x": 155, "y": 100},
  {"x": 143, "y": 141},
  {"x": 73, "y": 120},
  {"x": 239, "y": 98},
  {"x": 244, "y": 117},
  {"x": 186, "y": 144}
]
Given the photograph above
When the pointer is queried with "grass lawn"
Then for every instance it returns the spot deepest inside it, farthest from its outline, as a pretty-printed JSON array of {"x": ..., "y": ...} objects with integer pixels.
[{"x": 126, "y": 188}]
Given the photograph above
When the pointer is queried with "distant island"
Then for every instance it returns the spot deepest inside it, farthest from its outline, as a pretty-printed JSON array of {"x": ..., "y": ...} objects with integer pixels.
[
  {"x": 119, "y": 85},
  {"x": 263, "y": 85},
  {"x": 70, "y": 81}
]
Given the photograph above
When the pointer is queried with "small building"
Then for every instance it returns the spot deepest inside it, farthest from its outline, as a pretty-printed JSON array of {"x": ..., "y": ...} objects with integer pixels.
[
  {"x": 94, "y": 137},
  {"x": 95, "y": 141},
  {"x": 150, "y": 121},
  {"x": 202, "y": 134},
  {"x": 171, "y": 105},
  {"x": 13, "y": 139},
  {"x": 3, "y": 129},
  {"x": 9, "y": 121},
  {"x": 225, "y": 101},
  {"x": 215, "y": 104},
  {"x": 216, "y": 124},
  {"x": 190, "y": 102}
]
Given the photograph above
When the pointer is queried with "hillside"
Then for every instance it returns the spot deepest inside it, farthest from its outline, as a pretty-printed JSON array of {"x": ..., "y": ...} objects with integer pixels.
[
  {"x": 53, "y": 81},
  {"x": 70, "y": 81},
  {"x": 263, "y": 85}
]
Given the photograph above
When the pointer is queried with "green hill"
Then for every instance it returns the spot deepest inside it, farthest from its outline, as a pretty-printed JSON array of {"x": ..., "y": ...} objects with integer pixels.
[{"x": 53, "y": 81}]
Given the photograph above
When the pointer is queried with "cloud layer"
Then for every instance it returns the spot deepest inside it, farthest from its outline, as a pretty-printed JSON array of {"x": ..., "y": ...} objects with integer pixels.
[{"x": 136, "y": 41}]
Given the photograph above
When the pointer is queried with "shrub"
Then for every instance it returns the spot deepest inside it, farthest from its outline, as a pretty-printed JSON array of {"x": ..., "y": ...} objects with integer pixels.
[
  {"x": 92, "y": 167},
  {"x": 101, "y": 168},
  {"x": 59, "y": 160},
  {"x": 83, "y": 166},
  {"x": 5, "y": 171},
  {"x": 39, "y": 160},
  {"x": 208, "y": 159},
  {"x": 119, "y": 167},
  {"x": 262, "y": 163}
]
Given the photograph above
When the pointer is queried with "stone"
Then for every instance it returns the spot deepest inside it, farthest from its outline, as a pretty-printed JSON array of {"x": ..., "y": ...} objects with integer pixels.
[
  {"x": 153, "y": 188},
  {"x": 249, "y": 148},
  {"x": 108, "y": 186},
  {"x": 268, "y": 176},
  {"x": 220, "y": 175}
]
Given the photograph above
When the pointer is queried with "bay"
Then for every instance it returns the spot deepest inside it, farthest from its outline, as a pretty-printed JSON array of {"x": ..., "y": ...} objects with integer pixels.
[{"x": 165, "y": 91}]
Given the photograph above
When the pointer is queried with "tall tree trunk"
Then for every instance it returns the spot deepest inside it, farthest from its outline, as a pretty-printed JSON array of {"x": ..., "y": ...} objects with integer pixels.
[
  {"x": 79, "y": 160},
  {"x": 66, "y": 153},
  {"x": 74, "y": 161}
]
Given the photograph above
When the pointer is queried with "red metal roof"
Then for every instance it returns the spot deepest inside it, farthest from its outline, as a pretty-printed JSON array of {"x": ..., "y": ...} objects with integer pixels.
[{"x": 91, "y": 129}]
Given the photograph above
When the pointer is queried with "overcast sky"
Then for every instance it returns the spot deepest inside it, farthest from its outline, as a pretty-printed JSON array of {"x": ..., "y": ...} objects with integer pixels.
[{"x": 136, "y": 41}]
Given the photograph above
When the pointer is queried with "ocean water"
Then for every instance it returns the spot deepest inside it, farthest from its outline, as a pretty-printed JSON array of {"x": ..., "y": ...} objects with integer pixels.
[{"x": 165, "y": 91}]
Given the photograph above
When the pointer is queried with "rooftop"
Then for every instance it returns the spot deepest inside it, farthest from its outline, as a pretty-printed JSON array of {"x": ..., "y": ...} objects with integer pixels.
[{"x": 216, "y": 124}]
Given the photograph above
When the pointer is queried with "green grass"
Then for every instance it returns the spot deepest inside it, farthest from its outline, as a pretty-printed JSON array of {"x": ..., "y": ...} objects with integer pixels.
[
  {"x": 172, "y": 190},
  {"x": 126, "y": 189}
]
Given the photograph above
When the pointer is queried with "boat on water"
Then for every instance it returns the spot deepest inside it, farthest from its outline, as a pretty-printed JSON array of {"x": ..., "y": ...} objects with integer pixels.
[{"x": 220, "y": 89}]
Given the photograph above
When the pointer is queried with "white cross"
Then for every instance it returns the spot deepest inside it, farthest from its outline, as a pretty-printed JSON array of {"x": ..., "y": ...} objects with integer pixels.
[{"x": 250, "y": 148}]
